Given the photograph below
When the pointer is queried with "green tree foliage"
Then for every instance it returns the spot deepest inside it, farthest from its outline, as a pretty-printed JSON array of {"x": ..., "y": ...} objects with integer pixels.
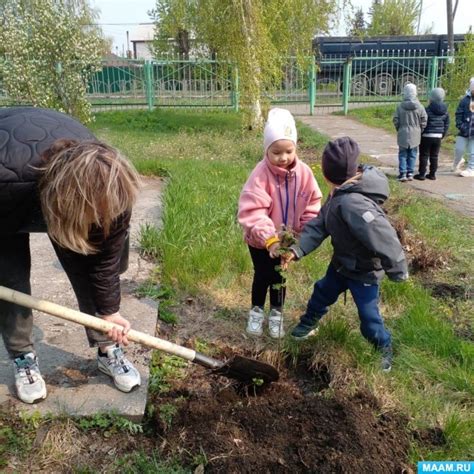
[
  {"x": 460, "y": 69},
  {"x": 174, "y": 22},
  {"x": 357, "y": 24},
  {"x": 394, "y": 17},
  {"x": 257, "y": 36},
  {"x": 48, "y": 51}
]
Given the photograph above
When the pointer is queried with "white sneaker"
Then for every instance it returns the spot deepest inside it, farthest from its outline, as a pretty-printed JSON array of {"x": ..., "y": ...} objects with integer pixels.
[
  {"x": 467, "y": 173},
  {"x": 255, "y": 321},
  {"x": 30, "y": 386},
  {"x": 456, "y": 167},
  {"x": 275, "y": 324},
  {"x": 125, "y": 376}
]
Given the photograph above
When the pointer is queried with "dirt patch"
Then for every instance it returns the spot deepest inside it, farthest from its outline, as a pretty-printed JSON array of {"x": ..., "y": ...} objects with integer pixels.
[
  {"x": 289, "y": 426},
  {"x": 449, "y": 290},
  {"x": 421, "y": 257},
  {"x": 432, "y": 437}
]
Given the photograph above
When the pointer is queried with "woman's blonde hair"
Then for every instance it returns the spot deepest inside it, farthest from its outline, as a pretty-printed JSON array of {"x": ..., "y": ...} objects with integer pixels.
[{"x": 84, "y": 184}]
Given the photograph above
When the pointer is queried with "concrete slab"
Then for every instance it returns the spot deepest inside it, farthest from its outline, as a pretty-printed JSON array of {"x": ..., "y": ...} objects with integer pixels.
[
  {"x": 457, "y": 192},
  {"x": 75, "y": 386}
]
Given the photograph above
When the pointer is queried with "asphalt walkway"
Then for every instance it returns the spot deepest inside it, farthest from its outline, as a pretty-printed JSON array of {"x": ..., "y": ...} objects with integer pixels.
[{"x": 457, "y": 192}]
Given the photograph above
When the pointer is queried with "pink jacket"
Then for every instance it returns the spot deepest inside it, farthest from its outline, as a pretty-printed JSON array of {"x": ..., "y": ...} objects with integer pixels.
[{"x": 273, "y": 196}]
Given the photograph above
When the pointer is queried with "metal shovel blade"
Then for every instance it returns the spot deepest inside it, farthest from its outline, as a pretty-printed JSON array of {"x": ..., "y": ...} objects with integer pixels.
[{"x": 247, "y": 370}]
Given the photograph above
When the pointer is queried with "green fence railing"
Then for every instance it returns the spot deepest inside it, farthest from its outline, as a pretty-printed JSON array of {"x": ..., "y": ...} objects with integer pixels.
[
  {"x": 333, "y": 82},
  {"x": 375, "y": 79}
]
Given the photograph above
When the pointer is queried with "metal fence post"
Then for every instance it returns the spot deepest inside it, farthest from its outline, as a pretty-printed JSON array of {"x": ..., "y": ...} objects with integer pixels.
[
  {"x": 149, "y": 89},
  {"x": 235, "y": 89},
  {"x": 433, "y": 81},
  {"x": 312, "y": 87},
  {"x": 346, "y": 88}
]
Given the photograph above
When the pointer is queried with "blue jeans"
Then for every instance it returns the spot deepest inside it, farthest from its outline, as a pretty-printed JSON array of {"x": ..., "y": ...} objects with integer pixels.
[
  {"x": 366, "y": 297},
  {"x": 463, "y": 144},
  {"x": 406, "y": 160}
]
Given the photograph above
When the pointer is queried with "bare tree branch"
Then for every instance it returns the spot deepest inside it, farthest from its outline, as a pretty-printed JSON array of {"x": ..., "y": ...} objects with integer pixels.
[{"x": 455, "y": 8}]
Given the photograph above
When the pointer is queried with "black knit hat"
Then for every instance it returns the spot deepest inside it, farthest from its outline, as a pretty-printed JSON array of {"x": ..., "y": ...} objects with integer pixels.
[{"x": 340, "y": 160}]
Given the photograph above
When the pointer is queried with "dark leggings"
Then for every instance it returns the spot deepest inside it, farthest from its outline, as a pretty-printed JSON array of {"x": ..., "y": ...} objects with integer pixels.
[{"x": 265, "y": 276}]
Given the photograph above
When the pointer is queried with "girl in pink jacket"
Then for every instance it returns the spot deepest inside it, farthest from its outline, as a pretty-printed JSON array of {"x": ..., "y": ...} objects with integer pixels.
[{"x": 281, "y": 192}]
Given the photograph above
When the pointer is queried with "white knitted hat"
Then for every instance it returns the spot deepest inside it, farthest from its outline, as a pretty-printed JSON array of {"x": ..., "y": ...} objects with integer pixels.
[
  {"x": 471, "y": 84},
  {"x": 280, "y": 126}
]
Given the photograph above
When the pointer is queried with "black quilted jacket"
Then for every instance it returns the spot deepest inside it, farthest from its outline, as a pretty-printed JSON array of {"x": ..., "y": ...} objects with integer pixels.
[
  {"x": 438, "y": 119},
  {"x": 25, "y": 132}
]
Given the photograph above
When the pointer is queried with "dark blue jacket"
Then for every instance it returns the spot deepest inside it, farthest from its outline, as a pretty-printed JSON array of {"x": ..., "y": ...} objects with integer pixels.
[
  {"x": 438, "y": 119},
  {"x": 464, "y": 117}
]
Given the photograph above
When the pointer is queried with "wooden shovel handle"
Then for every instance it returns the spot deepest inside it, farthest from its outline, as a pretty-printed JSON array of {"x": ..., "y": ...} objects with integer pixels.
[{"x": 93, "y": 322}]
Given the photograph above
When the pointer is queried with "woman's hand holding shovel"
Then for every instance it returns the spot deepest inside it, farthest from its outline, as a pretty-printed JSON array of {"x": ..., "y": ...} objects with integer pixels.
[{"x": 115, "y": 334}]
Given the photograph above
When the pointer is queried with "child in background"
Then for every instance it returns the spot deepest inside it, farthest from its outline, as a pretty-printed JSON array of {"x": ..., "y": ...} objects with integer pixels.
[
  {"x": 435, "y": 131},
  {"x": 465, "y": 138},
  {"x": 280, "y": 191},
  {"x": 410, "y": 120},
  {"x": 365, "y": 245}
]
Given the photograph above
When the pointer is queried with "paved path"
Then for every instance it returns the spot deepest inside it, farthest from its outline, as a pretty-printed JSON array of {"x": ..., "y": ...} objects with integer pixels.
[
  {"x": 75, "y": 386},
  {"x": 457, "y": 192}
]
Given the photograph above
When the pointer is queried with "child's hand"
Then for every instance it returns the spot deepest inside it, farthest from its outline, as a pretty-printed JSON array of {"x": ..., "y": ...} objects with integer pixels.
[
  {"x": 274, "y": 250},
  {"x": 286, "y": 258}
]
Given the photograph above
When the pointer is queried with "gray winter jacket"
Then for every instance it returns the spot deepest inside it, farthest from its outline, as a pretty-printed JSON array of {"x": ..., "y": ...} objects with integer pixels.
[
  {"x": 364, "y": 242},
  {"x": 410, "y": 120}
]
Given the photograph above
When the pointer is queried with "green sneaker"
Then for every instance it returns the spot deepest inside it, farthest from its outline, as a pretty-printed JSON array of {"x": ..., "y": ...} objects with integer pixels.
[{"x": 303, "y": 331}]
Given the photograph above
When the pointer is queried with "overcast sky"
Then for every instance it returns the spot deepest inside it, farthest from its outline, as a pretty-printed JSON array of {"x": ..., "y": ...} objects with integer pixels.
[{"x": 120, "y": 16}]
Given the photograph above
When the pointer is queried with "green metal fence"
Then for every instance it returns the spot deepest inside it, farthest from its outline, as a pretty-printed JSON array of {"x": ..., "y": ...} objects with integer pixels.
[
  {"x": 330, "y": 82},
  {"x": 375, "y": 78},
  {"x": 164, "y": 83}
]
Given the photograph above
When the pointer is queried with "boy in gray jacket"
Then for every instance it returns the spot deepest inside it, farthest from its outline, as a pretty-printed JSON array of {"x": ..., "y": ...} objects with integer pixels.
[
  {"x": 410, "y": 120},
  {"x": 365, "y": 245}
]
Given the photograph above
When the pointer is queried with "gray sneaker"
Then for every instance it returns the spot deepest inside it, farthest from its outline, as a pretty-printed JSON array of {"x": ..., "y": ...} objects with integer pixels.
[
  {"x": 255, "y": 321},
  {"x": 125, "y": 376},
  {"x": 387, "y": 359},
  {"x": 275, "y": 324},
  {"x": 29, "y": 383}
]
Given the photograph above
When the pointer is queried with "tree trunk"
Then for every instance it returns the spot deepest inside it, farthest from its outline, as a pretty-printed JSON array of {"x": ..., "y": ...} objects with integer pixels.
[
  {"x": 253, "y": 85},
  {"x": 450, "y": 17}
]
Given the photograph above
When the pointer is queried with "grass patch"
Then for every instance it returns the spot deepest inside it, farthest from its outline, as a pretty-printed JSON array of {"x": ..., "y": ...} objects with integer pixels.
[
  {"x": 144, "y": 463},
  {"x": 148, "y": 241},
  {"x": 109, "y": 423},
  {"x": 164, "y": 368},
  {"x": 168, "y": 121},
  {"x": 202, "y": 253}
]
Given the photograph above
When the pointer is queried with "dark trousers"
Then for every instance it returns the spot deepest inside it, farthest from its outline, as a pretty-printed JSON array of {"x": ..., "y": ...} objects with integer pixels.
[
  {"x": 266, "y": 276},
  {"x": 16, "y": 322},
  {"x": 429, "y": 150},
  {"x": 366, "y": 297}
]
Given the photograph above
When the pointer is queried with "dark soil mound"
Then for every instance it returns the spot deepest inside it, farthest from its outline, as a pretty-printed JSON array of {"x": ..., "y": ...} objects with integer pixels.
[{"x": 285, "y": 428}]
